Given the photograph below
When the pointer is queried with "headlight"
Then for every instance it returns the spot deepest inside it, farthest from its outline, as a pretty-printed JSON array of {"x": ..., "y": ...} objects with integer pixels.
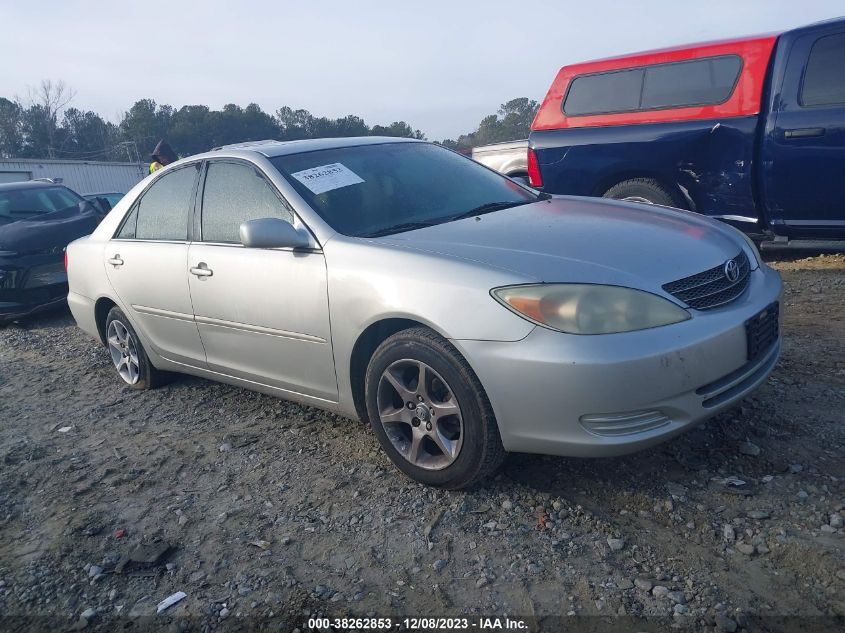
[{"x": 589, "y": 308}]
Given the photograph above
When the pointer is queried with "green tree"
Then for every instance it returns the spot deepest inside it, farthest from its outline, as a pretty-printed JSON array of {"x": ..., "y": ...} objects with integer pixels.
[
  {"x": 85, "y": 135},
  {"x": 397, "y": 128},
  {"x": 145, "y": 124},
  {"x": 234, "y": 124},
  {"x": 512, "y": 122},
  {"x": 40, "y": 119},
  {"x": 11, "y": 128},
  {"x": 294, "y": 124},
  {"x": 191, "y": 130}
]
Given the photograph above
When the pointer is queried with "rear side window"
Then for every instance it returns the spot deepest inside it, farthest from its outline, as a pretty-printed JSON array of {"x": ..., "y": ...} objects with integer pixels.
[
  {"x": 235, "y": 193},
  {"x": 617, "y": 91},
  {"x": 164, "y": 208},
  {"x": 824, "y": 79},
  {"x": 127, "y": 231},
  {"x": 706, "y": 81},
  {"x": 699, "y": 82}
]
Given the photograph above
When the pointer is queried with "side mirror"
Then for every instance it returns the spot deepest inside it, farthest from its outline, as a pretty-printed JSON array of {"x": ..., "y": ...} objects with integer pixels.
[{"x": 272, "y": 233}]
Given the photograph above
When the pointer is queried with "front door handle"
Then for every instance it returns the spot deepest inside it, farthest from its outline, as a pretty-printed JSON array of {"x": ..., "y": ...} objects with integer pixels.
[
  {"x": 115, "y": 261},
  {"x": 202, "y": 270},
  {"x": 804, "y": 132}
]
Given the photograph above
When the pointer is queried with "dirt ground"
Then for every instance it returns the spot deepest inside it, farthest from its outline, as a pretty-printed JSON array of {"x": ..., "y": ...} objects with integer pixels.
[{"x": 273, "y": 511}]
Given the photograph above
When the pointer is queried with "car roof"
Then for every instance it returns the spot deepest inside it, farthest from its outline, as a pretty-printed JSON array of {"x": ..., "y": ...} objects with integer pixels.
[
  {"x": 271, "y": 149},
  {"x": 30, "y": 184}
]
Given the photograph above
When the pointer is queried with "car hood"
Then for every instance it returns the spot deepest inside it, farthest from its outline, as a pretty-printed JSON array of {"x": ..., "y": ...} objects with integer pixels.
[
  {"x": 49, "y": 231},
  {"x": 570, "y": 239}
]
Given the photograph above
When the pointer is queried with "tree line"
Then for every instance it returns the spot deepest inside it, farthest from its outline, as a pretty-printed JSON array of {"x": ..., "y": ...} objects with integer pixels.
[{"x": 46, "y": 126}]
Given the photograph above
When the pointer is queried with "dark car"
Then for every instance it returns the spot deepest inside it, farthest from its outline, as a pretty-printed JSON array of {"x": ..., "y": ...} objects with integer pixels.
[
  {"x": 749, "y": 131},
  {"x": 37, "y": 221}
]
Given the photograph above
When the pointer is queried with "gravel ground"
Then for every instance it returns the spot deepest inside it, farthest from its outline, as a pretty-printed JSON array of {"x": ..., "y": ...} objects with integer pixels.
[{"x": 273, "y": 511}]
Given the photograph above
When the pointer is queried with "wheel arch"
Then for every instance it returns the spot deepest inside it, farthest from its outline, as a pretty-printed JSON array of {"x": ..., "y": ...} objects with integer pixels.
[
  {"x": 605, "y": 183},
  {"x": 365, "y": 345},
  {"x": 101, "y": 312}
]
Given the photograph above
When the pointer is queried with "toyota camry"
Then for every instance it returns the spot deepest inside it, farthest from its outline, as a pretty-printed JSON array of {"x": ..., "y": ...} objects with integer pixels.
[{"x": 460, "y": 313}]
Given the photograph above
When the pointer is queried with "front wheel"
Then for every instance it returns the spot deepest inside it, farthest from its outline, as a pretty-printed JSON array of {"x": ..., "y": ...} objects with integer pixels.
[{"x": 429, "y": 411}]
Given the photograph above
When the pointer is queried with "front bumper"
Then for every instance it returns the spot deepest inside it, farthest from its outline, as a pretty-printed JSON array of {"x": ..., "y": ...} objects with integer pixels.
[{"x": 595, "y": 396}]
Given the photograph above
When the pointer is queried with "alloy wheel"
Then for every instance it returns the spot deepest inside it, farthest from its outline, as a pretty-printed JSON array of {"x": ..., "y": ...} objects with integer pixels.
[
  {"x": 124, "y": 352},
  {"x": 420, "y": 414}
]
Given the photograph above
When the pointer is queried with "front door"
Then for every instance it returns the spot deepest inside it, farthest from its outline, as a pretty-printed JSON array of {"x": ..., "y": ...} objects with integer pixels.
[
  {"x": 805, "y": 159},
  {"x": 263, "y": 314},
  {"x": 147, "y": 265}
]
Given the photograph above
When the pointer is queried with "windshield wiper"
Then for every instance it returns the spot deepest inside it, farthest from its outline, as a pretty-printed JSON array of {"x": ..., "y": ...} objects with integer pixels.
[
  {"x": 399, "y": 228},
  {"x": 487, "y": 208}
]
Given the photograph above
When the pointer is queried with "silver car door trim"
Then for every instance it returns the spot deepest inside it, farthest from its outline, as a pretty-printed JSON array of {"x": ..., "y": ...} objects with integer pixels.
[
  {"x": 236, "y": 245},
  {"x": 167, "y": 314},
  {"x": 205, "y": 371},
  {"x": 259, "y": 329}
]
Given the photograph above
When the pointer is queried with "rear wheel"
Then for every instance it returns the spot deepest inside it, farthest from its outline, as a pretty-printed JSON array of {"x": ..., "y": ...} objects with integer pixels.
[
  {"x": 644, "y": 190},
  {"x": 127, "y": 354},
  {"x": 429, "y": 411}
]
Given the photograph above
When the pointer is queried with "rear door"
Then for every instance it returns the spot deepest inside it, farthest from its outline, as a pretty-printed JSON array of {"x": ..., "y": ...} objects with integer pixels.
[
  {"x": 263, "y": 314},
  {"x": 804, "y": 157},
  {"x": 147, "y": 265}
]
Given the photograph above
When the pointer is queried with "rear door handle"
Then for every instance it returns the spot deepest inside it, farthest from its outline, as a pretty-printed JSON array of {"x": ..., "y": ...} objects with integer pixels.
[
  {"x": 115, "y": 261},
  {"x": 804, "y": 132},
  {"x": 202, "y": 270}
]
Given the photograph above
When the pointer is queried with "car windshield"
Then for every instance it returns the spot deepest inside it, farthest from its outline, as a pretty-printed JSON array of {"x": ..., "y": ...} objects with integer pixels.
[
  {"x": 18, "y": 204},
  {"x": 372, "y": 190}
]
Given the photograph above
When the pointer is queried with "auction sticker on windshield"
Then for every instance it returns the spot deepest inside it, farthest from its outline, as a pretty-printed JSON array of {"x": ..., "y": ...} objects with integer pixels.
[{"x": 327, "y": 177}]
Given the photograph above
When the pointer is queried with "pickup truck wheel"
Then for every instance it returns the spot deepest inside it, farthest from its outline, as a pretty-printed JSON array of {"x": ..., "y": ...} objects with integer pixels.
[
  {"x": 429, "y": 411},
  {"x": 128, "y": 355},
  {"x": 644, "y": 190}
]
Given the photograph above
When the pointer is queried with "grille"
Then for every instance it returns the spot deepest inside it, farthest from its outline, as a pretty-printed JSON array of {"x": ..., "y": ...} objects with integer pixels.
[
  {"x": 761, "y": 331},
  {"x": 711, "y": 288}
]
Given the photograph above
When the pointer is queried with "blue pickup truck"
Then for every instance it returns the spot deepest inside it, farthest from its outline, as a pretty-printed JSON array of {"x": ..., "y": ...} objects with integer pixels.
[{"x": 750, "y": 131}]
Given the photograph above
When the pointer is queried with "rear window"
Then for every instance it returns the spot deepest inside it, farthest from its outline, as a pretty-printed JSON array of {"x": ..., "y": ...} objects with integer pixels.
[
  {"x": 824, "y": 80},
  {"x": 706, "y": 81}
]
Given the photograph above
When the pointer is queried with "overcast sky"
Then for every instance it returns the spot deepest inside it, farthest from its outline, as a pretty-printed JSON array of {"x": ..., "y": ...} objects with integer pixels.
[{"x": 439, "y": 65}]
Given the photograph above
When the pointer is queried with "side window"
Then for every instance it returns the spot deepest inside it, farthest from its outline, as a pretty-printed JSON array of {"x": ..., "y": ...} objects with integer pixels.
[
  {"x": 127, "y": 231},
  {"x": 706, "y": 81},
  {"x": 700, "y": 82},
  {"x": 617, "y": 91},
  {"x": 233, "y": 194},
  {"x": 164, "y": 208},
  {"x": 824, "y": 79}
]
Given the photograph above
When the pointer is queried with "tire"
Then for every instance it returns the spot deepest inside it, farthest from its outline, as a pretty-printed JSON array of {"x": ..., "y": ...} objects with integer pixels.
[
  {"x": 645, "y": 190},
  {"x": 457, "y": 438},
  {"x": 126, "y": 352}
]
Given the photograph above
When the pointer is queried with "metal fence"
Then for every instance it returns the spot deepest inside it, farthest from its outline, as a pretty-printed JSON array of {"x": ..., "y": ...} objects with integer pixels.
[{"x": 84, "y": 177}]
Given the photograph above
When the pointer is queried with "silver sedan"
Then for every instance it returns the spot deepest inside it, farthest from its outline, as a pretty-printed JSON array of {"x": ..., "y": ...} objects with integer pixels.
[{"x": 460, "y": 313}]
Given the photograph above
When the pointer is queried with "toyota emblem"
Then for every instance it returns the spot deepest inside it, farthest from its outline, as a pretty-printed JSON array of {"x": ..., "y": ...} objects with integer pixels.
[{"x": 731, "y": 270}]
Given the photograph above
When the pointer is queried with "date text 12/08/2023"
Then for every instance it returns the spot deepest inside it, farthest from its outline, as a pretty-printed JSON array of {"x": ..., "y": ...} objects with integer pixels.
[{"x": 420, "y": 624}]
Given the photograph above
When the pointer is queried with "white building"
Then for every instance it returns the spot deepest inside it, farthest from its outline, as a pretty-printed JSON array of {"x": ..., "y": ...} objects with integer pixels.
[{"x": 84, "y": 177}]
